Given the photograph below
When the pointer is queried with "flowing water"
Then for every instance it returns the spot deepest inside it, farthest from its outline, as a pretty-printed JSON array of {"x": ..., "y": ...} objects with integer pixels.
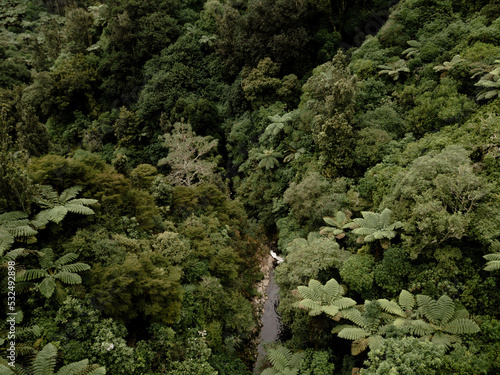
[{"x": 270, "y": 322}]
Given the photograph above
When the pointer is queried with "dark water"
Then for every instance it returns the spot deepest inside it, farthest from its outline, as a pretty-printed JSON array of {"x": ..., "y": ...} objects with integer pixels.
[{"x": 270, "y": 323}]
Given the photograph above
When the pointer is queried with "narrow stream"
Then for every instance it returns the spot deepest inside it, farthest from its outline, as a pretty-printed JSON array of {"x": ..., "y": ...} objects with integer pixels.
[{"x": 270, "y": 323}]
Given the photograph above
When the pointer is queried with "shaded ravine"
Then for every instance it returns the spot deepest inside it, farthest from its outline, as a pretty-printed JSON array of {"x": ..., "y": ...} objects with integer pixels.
[{"x": 271, "y": 323}]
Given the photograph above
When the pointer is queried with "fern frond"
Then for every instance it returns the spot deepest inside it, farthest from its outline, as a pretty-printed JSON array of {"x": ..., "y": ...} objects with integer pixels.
[
  {"x": 333, "y": 290},
  {"x": 45, "y": 361},
  {"x": 296, "y": 359},
  {"x": 12, "y": 216},
  {"x": 406, "y": 300},
  {"x": 68, "y": 277},
  {"x": 441, "y": 338},
  {"x": 280, "y": 357},
  {"x": 391, "y": 307},
  {"x": 330, "y": 310},
  {"x": 75, "y": 267},
  {"x": 14, "y": 254},
  {"x": 83, "y": 201},
  {"x": 6, "y": 370},
  {"x": 79, "y": 209},
  {"x": 310, "y": 304},
  {"x": 340, "y": 327},
  {"x": 97, "y": 371},
  {"x": 359, "y": 346},
  {"x": 420, "y": 328},
  {"x": 353, "y": 333},
  {"x": 428, "y": 307},
  {"x": 75, "y": 368},
  {"x": 270, "y": 371},
  {"x": 375, "y": 342},
  {"x": 354, "y": 315},
  {"x": 47, "y": 286},
  {"x": 33, "y": 274},
  {"x": 462, "y": 326},
  {"x": 494, "y": 262},
  {"x": 66, "y": 258},
  {"x": 344, "y": 303},
  {"x": 6, "y": 240},
  {"x": 446, "y": 309},
  {"x": 69, "y": 193},
  {"x": 46, "y": 258}
]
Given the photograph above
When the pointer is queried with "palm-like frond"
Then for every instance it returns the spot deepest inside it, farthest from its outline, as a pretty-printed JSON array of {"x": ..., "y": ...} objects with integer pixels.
[
  {"x": 280, "y": 357},
  {"x": 461, "y": 326},
  {"x": 493, "y": 262},
  {"x": 354, "y": 315},
  {"x": 33, "y": 274},
  {"x": 45, "y": 361},
  {"x": 65, "y": 259},
  {"x": 68, "y": 277},
  {"x": 353, "y": 333},
  {"x": 374, "y": 226},
  {"x": 69, "y": 193},
  {"x": 324, "y": 299},
  {"x": 47, "y": 286},
  {"x": 57, "y": 207},
  {"x": 391, "y": 307},
  {"x": 75, "y": 267},
  {"x": 75, "y": 368},
  {"x": 406, "y": 300}
]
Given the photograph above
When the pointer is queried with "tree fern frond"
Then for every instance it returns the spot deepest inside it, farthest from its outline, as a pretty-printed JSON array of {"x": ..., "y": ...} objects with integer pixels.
[
  {"x": 330, "y": 310},
  {"x": 6, "y": 370},
  {"x": 6, "y": 240},
  {"x": 68, "y": 277},
  {"x": 354, "y": 315},
  {"x": 353, "y": 333},
  {"x": 359, "y": 346},
  {"x": 280, "y": 357},
  {"x": 428, "y": 308},
  {"x": 391, "y": 307},
  {"x": 296, "y": 359},
  {"x": 75, "y": 368},
  {"x": 47, "y": 258},
  {"x": 69, "y": 193},
  {"x": 446, "y": 309},
  {"x": 420, "y": 328},
  {"x": 406, "y": 300},
  {"x": 460, "y": 314},
  {"x": 375, "y": 342},
  {"x": 494, "y": 262},
  {"x": 83, "y": 201},
  {"x": 441, "y": 338},
  {"x": 47, "y": 286},
  {"x": 333, "y": 289},
  {"x": 344, "y": 303},
  {"x": 96, "y": 371},
  {"x": 14, "y": 254},
  {"x": 66, "y": 258},
  {"x": 12, "y": 216},
  {"x": 270, "y": 371},
  {"x": 340, "y": 327},
  {"x": 33, "y": 274},
  {"x": 310, "y": 304},
  {"x": 75, "y": 267},
  {"x": 45, "y": 361},
  {"x": 462, "y": 326},
  {"x": 78, "y": 209}
]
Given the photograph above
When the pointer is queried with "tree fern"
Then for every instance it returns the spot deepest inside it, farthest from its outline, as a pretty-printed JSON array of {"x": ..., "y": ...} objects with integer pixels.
[
  {"x": 444, "y": 320},
  {"x": 14, "y": 225},
  {"x": 326, "y": 298},
  {"x": 284, "y": 361},
  {"x": 337, "y": 225},
  {"x": 493, "y": 262},
  {"x": 44, "y": 363},
  {"x": 53, "y": 271},
  {"x": 374, "y": 226},
  {"x": 57, "y": 206}
]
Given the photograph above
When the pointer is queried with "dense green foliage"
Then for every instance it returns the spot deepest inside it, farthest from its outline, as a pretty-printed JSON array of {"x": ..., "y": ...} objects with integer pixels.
[{"x": 151, "y": 152}]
